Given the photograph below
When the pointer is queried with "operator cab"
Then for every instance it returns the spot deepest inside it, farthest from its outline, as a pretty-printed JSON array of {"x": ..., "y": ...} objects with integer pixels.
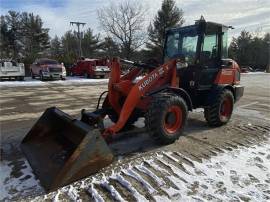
[
  {"x": 202, "y": 43},
  {"x": 201, "y": 50}
]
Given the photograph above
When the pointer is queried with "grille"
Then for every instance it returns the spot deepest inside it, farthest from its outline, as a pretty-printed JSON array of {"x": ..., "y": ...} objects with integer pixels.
[{"x": 55, "y": 69}]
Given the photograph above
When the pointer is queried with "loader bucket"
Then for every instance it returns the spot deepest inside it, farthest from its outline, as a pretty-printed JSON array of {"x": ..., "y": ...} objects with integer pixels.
[{"x": 62, "y": 150}]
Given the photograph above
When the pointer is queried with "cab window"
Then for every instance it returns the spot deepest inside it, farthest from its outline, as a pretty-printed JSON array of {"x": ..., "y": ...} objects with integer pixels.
[
  {"x": 224, "y": 54},
  {"x": 172, "y": 44},
  {"x": 209, "y": 50},
  {"x": 182, "y": 44}
]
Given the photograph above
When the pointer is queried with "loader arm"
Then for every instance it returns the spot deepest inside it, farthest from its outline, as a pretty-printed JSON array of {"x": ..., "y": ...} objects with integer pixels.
[{"x": 160, "y": 76}]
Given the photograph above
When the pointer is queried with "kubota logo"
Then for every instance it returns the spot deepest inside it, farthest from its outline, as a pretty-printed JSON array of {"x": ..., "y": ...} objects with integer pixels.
[{"x": 151, "y": 78}]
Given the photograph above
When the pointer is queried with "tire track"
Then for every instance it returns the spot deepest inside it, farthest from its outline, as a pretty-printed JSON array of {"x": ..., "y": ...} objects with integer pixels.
[{"x": 174, "y": 175}]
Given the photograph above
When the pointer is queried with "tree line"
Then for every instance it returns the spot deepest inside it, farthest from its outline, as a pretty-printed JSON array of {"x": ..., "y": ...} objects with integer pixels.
[
  {"x": 251, "y": 50},
  {"x": 126, "y": 34}
]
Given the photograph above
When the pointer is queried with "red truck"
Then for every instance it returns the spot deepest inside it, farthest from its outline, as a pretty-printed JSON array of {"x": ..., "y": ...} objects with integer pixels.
[
  {"x": 46, "y": 68},
  {"x": 91, "y": 68}
]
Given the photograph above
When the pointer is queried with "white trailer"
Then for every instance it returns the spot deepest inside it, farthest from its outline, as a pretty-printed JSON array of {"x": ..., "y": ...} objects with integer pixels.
[{"x": 11, "y": 69}]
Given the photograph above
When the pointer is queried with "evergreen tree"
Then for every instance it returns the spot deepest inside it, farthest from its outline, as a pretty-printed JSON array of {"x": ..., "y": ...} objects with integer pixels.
[
  {"x": 109, "y": 48},
  {"x": 90, "y": 44},
  {"x": 70, "y": 46},
  {"x": 56, "y": 49},
  {"x": 266, "y": 54},
  {"x": 23, "y": 36},
  {"x": 35, "y": 37},
  {"x": 168, "y": 16},
  {"x": 4, "y": 38},
  {"x": 248, "y": 50},
  {"x": 13, "y": 34}
]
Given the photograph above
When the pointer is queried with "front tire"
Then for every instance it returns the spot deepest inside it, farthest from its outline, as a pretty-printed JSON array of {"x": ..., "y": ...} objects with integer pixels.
[
  {"x": 220, "y": 112},
  {"x": 166, "y": 117}
]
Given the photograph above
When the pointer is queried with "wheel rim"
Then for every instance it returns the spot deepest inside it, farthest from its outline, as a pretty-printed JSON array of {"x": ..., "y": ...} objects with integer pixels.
[
  {"x": 173, "y": 119},
  {"x": 226, "y": 109}
]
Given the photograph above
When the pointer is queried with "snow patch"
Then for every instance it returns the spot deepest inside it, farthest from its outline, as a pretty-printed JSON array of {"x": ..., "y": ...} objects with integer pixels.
[
  {"x": 94, "y": 193},
  {"x": 250, "y": 113},
  {"x": 17, "y": 182},
  {"x": 130, "y": 172},
  {"x": 69, "y": 80},
  {"x": 111, "y": 189},
  {"x": 129, "y": 187},
  {"x": 254, "y": 73},
  {"x": 242, "y": 174}
]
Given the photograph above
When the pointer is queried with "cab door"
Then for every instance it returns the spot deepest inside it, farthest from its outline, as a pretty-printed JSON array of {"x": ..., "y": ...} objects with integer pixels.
[{"x": 209, "y": 61}]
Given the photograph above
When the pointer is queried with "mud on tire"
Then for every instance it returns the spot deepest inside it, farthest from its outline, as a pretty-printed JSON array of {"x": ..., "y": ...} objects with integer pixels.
[
  {"x": 166, "y": 117},
  {"x": 220, "y": 112}
]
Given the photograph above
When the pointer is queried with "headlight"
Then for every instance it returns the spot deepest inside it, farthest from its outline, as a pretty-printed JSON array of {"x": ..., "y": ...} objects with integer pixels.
[{"x": 63, "y": 69}]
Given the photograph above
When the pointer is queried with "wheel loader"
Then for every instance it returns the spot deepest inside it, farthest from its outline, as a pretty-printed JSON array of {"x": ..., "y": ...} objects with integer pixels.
[{"x": 196, "y": 73}]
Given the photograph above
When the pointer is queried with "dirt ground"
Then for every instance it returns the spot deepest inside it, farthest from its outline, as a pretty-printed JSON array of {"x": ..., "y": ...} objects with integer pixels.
[{"x": 249, "y": 128}]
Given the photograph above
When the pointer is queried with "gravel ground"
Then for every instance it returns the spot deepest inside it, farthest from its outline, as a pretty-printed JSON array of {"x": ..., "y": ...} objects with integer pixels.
[{"x": 219, "y": 164}]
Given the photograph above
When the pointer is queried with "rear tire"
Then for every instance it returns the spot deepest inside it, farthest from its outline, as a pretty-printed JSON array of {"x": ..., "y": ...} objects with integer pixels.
[
  {"x": 32, "y": 75},
  {"x": 86, "y": 75},
  {"x": 166, "y": 117},
  {"x": 41, "y": 76},
  {"x": 220, "y": 112}
]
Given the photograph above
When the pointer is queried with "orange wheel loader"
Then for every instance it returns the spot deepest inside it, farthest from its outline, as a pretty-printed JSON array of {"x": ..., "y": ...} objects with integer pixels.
[{"x": 196, "y": 73}]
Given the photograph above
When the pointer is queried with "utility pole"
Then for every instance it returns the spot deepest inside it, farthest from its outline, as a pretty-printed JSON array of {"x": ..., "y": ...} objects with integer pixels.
[{"x": 78, "y": 24}]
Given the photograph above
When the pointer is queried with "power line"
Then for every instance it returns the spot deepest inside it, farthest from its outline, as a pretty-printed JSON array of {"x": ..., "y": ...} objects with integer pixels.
[{"x": 78, "y": 24}]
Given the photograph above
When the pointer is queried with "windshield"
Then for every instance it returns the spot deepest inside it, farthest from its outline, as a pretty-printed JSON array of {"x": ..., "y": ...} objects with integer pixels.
[{"x": 182, "y": 43}]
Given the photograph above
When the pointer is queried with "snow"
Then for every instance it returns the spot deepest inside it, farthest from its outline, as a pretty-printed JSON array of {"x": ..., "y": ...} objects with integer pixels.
[
  {"x": 235, "y": 175},
  {"x": 255, "y": 80},
  {"x": 69, "y": 80},
  {"x": 129, "y": 187},
  {"x": 94, "y": 193},
  {"x": 22, "y": 185},
  {"x": 132, "y": 173},
  {"x": 111, "y": 189},
  {"x": 252, "y": 73},
  {"x": 242, "y": 174},
  {"x": 241, "y": 111},
  {"x": 73, "y": 194},
  {"x": 145, "y": 170}
]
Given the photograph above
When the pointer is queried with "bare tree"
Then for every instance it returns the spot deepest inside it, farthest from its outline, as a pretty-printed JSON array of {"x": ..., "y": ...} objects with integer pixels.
[{"x": 125, "y": 24}]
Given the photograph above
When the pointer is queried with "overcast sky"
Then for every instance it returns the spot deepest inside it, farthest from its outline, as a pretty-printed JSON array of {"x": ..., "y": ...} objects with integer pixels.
[{"x": 252, "y": 15}]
